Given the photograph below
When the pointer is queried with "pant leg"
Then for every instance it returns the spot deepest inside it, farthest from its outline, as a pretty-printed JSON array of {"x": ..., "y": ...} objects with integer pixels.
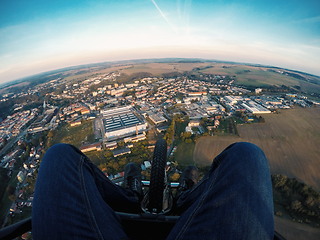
[
  {"x": 73, "y": 199},
  {"x": 233, "y": 201}
]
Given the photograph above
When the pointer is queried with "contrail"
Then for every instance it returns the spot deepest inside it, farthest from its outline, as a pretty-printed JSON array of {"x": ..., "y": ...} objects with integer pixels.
[{"x": 174, "y": 29}]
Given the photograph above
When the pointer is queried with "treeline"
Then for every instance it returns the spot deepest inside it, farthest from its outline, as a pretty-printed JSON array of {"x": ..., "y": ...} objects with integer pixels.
[
  {"x": 296, "y": 197},
  {"x": 170, "y": 133},
  {"x": 230, "y": 126}
]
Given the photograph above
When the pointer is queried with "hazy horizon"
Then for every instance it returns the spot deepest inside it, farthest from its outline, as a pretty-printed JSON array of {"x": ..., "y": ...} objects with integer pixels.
[{"x": 39, "y": 36}]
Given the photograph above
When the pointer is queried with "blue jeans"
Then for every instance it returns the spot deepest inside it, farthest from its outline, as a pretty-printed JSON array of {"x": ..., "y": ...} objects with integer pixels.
[{"x": 73, "y": 199}]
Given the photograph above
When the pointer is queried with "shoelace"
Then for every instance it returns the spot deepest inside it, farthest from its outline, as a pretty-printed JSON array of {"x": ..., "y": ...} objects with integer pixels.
[{"x": 132, "y": 183}]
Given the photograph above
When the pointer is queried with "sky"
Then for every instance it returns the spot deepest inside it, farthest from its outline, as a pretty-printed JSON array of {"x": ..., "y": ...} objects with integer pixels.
[{"x": 38, "y": 36}]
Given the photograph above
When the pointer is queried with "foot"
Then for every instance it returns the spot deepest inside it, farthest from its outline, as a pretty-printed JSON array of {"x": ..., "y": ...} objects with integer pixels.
[
  {"x": 132, "y": 179},
  {"x": 188, "y": 179}
]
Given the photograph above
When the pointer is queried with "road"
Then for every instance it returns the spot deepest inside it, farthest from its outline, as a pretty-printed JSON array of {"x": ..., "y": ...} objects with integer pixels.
[
  {"x": 98, "y": 128},
  {"x": 12, "y": 142}
]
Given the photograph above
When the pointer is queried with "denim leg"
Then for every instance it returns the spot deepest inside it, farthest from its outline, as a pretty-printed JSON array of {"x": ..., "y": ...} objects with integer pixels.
[
  {"x": 73, "y": 199},
  {"x": 233, "y": 201}
]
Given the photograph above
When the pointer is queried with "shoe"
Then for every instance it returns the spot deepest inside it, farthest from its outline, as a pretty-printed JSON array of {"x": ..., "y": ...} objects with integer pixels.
[
  {"x": 132, "y": 179},
  {"x": 188, "y": 179}
]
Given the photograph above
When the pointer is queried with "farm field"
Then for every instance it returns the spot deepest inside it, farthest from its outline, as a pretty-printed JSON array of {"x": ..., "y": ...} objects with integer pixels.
[
  {"x": 160, "y": 68},
  {"x": 293, "y": 231},
  {"x": 255, "y": 76},
  {"x": 90, "y": 74},
  {"x": 290, "y": 141}
]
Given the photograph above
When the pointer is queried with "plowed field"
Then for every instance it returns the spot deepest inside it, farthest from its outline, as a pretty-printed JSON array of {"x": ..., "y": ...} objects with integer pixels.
[{"x": 290, "y": 140}]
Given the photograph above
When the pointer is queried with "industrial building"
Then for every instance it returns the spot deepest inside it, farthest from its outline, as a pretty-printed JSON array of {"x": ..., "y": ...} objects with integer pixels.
[
  {"x": 122, "y": 122},
  {"x": 254, "y": 108}
]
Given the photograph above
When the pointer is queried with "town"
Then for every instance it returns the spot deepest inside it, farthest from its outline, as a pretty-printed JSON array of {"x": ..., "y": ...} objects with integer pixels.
[{"x": 121, "y": 115}]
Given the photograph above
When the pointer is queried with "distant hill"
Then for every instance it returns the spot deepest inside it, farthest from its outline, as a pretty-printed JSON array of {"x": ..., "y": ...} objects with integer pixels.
[{"x": 30, "y": 81}]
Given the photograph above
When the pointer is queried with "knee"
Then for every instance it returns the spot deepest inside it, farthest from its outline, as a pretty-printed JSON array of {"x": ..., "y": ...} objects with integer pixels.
[
  {"x": 247, "y": 147},
  {"x": 246, "y": 153},
  {"x": 58, "y": 154}
]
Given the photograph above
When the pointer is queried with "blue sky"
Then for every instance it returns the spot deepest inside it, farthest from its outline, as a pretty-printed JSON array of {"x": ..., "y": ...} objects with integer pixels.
[{"x": 37, "y": 36}]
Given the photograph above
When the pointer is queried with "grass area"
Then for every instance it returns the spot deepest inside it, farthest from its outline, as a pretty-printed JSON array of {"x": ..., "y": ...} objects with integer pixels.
[
  {"x": 96, "y": 157},
  {"x": 238, "y": 120},
  {"x": 257, "y": 77},
  {"x": 184, "y": 153},
  {"x": 77, "y": 135},
  {"x": 310, "y": 88}
]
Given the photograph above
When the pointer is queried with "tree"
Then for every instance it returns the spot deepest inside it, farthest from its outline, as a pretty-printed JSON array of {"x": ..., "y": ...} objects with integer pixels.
[
  {"x": 175, "y": 164},
  {"x": 11, "y": 190},
  {"x": 120, "y": 144},
  {"x": 12, "y": 197},
  {"x": 279, "y": 180},
  {"x": 50, "y": 135},
  {"x": 239, "y": 114},
  {"x": 186, "y": 118},
  {"x": 246, "y": 118},
  {"x": 261, "y": 119},
  {"x": 296, "y": 205},
  {"x": 115, "y": 166},
  {"x": 175, "y": 177},
  {"x": 309, "y": 202},
  {"x": 35, "y": 142}
]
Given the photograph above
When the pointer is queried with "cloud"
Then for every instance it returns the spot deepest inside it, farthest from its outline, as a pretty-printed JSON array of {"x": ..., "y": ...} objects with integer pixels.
[
  {"x": 308, "y": 20},
  {"x": 164, "y": 16}
]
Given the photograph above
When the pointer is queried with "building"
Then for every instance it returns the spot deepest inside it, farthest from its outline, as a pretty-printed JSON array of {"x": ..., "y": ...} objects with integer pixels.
[
  {"x": 157, "y": 118},
  {"x": 120, "y": 152},
  {"x": 162, "y": 129},
  {"x": 91, "y": 147},
  {"x": 254, "y": 107},
  {"x": 111, "y": 145},
  {"x": 21, "y": 176},
  {"x": 75, "y": 123},
  {"x": 122, "y": 122},
  {"x": 193, "y": 123},
  {"x": 136, "y": 138},
  {"x": 197, "y": 93},
  {"x": 258, "y": 90}
]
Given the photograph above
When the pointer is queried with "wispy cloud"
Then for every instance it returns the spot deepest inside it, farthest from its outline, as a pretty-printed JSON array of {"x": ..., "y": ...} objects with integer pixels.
[
  {"x": 164, "y": 16},
  {"x": 183, "y": 12},
  {"x": 308, "y": 20}
]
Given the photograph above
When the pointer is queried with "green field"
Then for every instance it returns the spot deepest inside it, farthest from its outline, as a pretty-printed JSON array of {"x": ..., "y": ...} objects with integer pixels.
[
  {"x": 184, "y": 153},
  {"x": 77, "y": 135}
]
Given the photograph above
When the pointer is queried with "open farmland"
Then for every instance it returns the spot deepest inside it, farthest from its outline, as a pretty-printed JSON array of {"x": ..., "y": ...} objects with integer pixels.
[
  {"x": 290, "y": 141},
  {"x": 160, "y": 68},
  {"x": 82, "y": 76},
  {"x": 252, "y": 76},
  {"x": 293, "y": 231}
]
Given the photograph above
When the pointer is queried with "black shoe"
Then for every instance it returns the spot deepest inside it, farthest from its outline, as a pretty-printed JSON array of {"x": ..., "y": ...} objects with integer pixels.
[
  {"x": 188, "y": 179},
  {"x": 132, "y": 179}
]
